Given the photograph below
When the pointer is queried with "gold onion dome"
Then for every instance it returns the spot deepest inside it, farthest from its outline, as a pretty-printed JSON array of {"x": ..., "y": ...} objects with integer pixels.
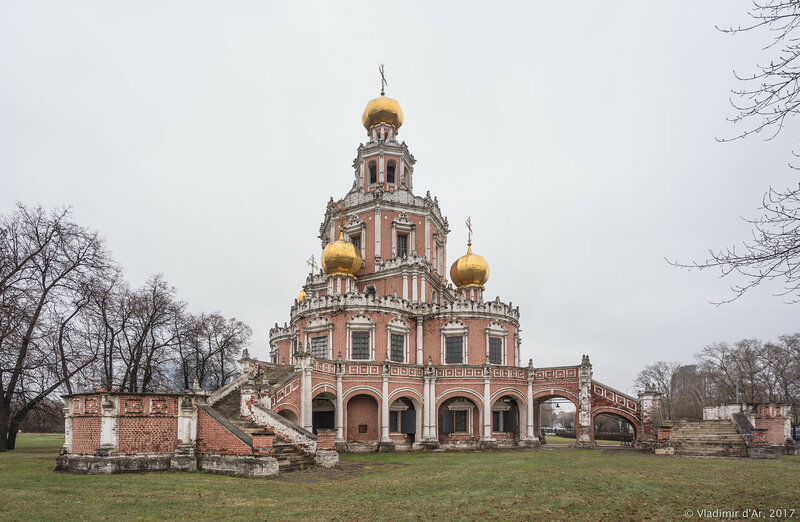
[
  {"x": 469, "y": 270},
  {"x": 341, "y": 258},
  {"x": 301, "y": 295},
  {"x": 382, "y": 110}
]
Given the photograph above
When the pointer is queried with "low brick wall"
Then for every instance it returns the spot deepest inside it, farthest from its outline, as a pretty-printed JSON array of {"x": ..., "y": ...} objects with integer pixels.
[{"x": 212, "y": 437}]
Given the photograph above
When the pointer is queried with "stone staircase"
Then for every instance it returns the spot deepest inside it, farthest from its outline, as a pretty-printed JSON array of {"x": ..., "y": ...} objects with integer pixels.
[
  {"x": 290, "y": 458},
  {"x": 709, "y": 438},
  {"x": 288, "y": 455}
]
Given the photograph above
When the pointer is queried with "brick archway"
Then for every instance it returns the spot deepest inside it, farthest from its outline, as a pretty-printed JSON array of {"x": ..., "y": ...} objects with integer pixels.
[
  {"x": 622, "y": 414},
  {"x": 362, "y": 416}
]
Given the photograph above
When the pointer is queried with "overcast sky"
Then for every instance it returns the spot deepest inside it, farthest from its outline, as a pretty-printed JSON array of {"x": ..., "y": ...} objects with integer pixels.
[{"x": 203, "y": 140}]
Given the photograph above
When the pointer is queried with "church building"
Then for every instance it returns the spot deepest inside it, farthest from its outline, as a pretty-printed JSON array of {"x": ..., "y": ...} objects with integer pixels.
[{"x": 382, "y": 348}]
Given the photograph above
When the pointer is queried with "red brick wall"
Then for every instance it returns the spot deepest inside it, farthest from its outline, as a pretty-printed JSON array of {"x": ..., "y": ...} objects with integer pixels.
[
  {"x": 147, "y": 434},
  {"x": 775, "y": 426},
  {"x": 362, "y": 409},
  {"x": 213, "y": 437},
  {"x": 85, "y": 434}
]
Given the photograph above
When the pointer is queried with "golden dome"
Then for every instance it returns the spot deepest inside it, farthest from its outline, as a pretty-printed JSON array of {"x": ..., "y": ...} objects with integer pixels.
[
  {"x": 469, "y": 270},
  {"x": 382, "y": 110},
  {"x": 341, "y": 258},
  {"x": 301, "y": 295}
]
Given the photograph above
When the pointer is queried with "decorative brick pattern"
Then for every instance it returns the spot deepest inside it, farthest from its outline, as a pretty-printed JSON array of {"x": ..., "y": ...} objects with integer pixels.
[{"x": 85, "y": 434}]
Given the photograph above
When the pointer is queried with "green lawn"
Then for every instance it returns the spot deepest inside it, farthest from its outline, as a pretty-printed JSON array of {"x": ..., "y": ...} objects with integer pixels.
[
  {"x": 555, "y": 439},
  {"x": 556, "y": 484}
]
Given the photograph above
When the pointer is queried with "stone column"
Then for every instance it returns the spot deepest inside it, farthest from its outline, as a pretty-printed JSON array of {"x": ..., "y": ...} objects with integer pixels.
[
  {"x": 386, "y": 443},
  {"x": 67, "y": 447},
  {"x": 420, "y": 331},
  {"x": 414, "y": 287},
  {"x": 109, "y": 406},
  {"x": 585, "y": 430},
  {"x": 339, "y": 402},
  {"x": 487, "y": 441},
  {"x": 531, "y": 438},
  {"x": 304, "y": 363},
  {"x": 184, "y": 458},
  {"x": 649, "y": 401},
  {"x": 377, "y": 235}
]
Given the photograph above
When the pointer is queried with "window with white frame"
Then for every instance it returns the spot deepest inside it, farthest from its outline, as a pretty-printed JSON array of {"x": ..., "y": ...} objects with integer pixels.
[
  {"x": 496, "y": 344},
  {"x": 397, "y": 340},
  {"x": 360, "y": 338},
  {"x": 454, "y": 343}
]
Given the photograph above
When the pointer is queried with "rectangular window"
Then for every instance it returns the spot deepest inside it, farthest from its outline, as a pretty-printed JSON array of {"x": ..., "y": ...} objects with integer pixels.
[
  {"x": 319, "y": 346},
  {"x": 402, "y": 245},
  {"x": 397, "y": 347},
  {"x": 454, "y": 352},
  {"x": 394, "y": 426},
  {"x": 356, "y": 240},
  {"x": 496, "y": 421},
  {"x": 460, "y": 420},
  {"x": 495, "y": 350},
  {"x": 360, "y": 347}
]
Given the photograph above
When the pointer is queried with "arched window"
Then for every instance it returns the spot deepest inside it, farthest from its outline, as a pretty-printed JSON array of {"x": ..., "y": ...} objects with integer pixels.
[
  {"x": 373, "y": 172},
  {"x": 390, "y": 170}
]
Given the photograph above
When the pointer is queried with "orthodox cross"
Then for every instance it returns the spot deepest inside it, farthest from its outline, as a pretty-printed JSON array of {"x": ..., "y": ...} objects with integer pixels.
[
  {"x": 341, "y": 215},
  {"x": 383, "y": 80},
  {"x": 312, "y": 263},
  {"x": 469, "y": 230}
]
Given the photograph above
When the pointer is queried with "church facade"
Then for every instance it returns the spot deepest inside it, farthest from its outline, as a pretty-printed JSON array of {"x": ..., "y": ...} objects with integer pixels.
[{"x": 385, "y": 350}]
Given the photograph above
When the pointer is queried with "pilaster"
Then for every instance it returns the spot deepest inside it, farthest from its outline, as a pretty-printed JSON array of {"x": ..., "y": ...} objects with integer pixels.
[{"x": 585, "y": 430}]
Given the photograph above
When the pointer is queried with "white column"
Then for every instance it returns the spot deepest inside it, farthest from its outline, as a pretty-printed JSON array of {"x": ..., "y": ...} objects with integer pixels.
[
  {"x": 405, "y": 286},
  {"x": 414, "y": 286},
  {"x": 339, "y": 402},
  {"x": 377, "y": 234},
  {"x": 109, "y": 406},
  {"x": 305, "y": 398},
  {"x": 420, "y": 331},
  {"x": 428, "y": 239},
  {"x": 426, "y": 407},
  {"x": 433, "y": 414},
  {"x": 185, "y": 411},
  {"x": 530, "y": 435},
  {"x": 487, "y": 406},
  {"x": 423, "y": 292},
  {"x": 385, "y": 407},
  {"x": 67, "y": 426}
]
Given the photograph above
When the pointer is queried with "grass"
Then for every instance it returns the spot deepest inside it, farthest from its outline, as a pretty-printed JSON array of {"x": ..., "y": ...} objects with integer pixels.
[
  {"x": 555, "y": 439},
  {"x": 554, "y": 484}
]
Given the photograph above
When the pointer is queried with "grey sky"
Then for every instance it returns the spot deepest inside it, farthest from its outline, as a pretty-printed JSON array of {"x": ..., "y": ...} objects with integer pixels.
[{"x": 203, "y": 139}]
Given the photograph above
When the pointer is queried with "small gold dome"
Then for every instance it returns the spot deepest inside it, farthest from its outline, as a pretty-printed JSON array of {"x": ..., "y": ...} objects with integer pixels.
[
  {"x": 301, "y": 295},
  {"x": 469, "y": 270},
  {"x": 341, "y": 258},
  {"x": 382, "y": 110}
]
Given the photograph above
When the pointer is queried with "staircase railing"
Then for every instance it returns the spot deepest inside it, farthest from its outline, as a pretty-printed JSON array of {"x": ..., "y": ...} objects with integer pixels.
[{"x": 284, "y": 428}]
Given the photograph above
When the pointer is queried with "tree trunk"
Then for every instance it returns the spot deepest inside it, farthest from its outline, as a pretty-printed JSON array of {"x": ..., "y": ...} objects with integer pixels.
[
  {"x": 12, "y": 436},
  {"x": 5, "y": 415}
]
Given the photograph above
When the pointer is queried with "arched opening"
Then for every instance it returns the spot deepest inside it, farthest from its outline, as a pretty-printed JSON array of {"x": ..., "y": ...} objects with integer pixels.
[
  {"x": 391, "y": 166},
  {"x": 506, "y": 419},
  {"x": 373, "y": 172},
  {"x": 323, "y": 412},
  {"x": 459, "y": 420},
  {"x": 288, "y": 415},
  {"x": 555, "y": 419},
  {"x": 611, "y": 429},
  {"x": 363, "y": 423},
  {"x": 404, "y": 422}
]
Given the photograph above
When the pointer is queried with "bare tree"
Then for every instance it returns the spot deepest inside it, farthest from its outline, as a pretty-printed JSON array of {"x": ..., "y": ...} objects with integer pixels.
[
  {"x": 46, "y": 263},
  {"x": 767, "y": 101},
  {"x": 659, "y": 376}
]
